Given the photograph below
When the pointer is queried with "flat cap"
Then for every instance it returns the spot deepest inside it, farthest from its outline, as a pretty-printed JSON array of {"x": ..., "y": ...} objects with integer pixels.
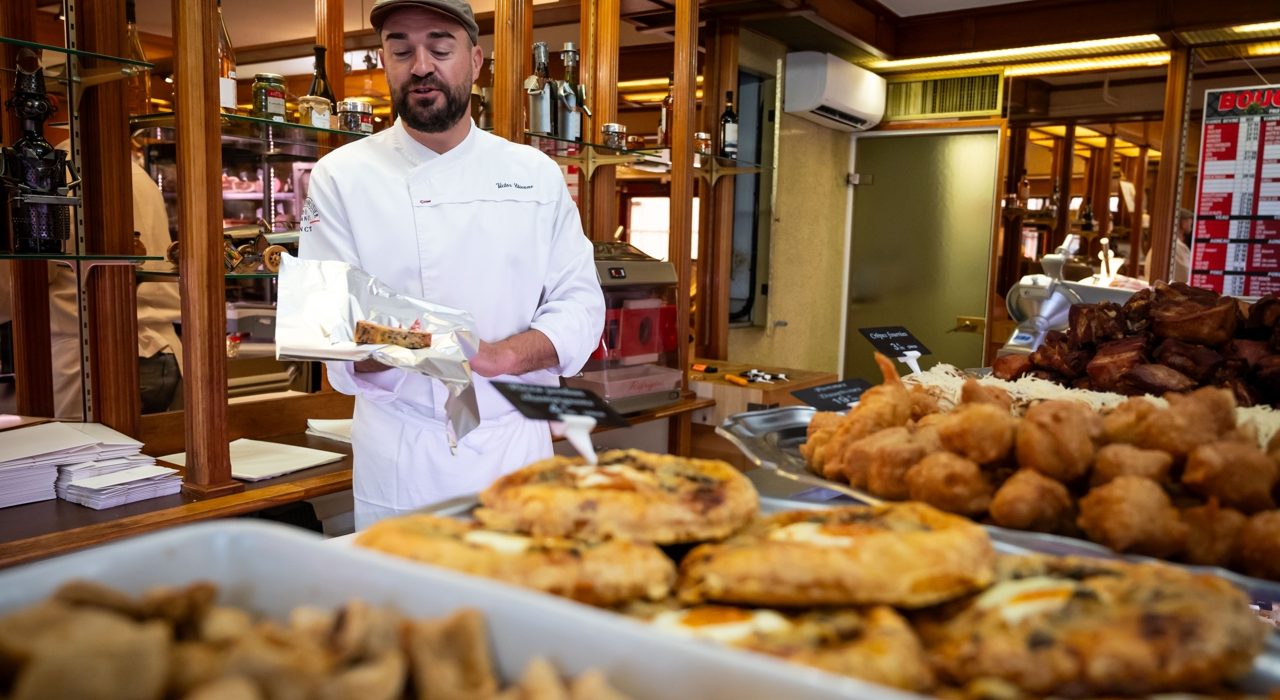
[{"x": 457, "y": 9}]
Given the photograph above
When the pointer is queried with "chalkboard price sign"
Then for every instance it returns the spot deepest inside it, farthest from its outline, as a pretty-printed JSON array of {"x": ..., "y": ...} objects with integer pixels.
[
  {"x": 552, "y": 402},
  {"x": 894, "y": 341},
  {"x": 833, "y": 397}
]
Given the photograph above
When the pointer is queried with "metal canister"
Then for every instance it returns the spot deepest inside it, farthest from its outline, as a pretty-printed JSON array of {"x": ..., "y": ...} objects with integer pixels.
[
  {"x": 614, "y": 135},
  {"x": 354, "y": 115},
  {"x": 268, "y": 96}
]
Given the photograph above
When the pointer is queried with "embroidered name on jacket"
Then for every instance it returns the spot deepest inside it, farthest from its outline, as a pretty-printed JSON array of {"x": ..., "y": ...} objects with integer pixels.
[{"x": 516, "y": 185}]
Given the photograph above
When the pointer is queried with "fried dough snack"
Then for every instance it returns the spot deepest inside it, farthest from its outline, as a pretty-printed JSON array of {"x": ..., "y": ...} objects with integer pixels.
[
  {"x": 1126, "y": 460},
  {"x": 949, "y": 482},
  {"x": 1239, "y": 476},
  {"x": 1211, "y": 533},
  {"x": 1059, "y": 439},
  {"x": 1029, "y": 500},
  {"x": 887, "y": 405},
  {"x": 879, "y": 462},
  {"x": 973, "y": 392},
  {"x": 1258, "y": 545},
  {"x": 1133, "y": 514},
  {"x": 1204, "y": 415},
  {"x": 980, "y": 432},
  {"x": 822, "y": 427}
]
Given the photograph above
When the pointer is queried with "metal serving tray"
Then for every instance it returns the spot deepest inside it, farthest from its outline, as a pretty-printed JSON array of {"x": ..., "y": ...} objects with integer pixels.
[
  {"x": 270, "y": 569},
  {"x": 772, "y": 438}
]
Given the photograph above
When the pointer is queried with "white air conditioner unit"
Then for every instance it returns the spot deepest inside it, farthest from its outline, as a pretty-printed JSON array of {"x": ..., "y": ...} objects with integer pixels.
[{"x": 832, "y": 91}]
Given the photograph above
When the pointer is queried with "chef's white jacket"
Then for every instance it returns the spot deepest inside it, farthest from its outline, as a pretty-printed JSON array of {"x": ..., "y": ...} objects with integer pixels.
[{"x": 487, "y": 227}]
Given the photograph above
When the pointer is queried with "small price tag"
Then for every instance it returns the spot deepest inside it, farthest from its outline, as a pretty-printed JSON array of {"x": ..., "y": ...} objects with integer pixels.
[
  {"x": 833, "y": 397},
  {"x": 552, "y": 403},
  {"x": 894, "y": 341}
]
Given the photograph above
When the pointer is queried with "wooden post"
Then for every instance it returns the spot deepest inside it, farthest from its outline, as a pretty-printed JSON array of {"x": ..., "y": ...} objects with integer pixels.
[
  {"x": 686, "y": 63},
  {"x": 1066, "y": 168},
  {"x": 600, "y": 42},
  {"x": 511, "y": 42},
  {"x": 1165, "y": 195},
  {"x": 1137, "y": 236},
  {"x": 203, "y": 288},
  {"x": 29, "y": 280},
  {"x": 1010, "y": 268},
  {"x": 107, "y": 193},
  {"x": 716, "y": 257},
  {"x": 329, "y": 34}
]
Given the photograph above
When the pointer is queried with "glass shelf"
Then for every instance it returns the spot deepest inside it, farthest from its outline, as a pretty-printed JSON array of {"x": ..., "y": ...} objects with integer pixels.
[
  {"x": 561, "y": 147},
  {"x": 262, "y": 136},
  {"x": 75, "y": 52},
  {"x": 169, "y": 273},
  {"x": 66, "y": 257}
]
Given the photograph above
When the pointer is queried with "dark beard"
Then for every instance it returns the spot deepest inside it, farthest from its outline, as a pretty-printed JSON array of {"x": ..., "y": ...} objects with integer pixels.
[{"x": 438, "y": 118}]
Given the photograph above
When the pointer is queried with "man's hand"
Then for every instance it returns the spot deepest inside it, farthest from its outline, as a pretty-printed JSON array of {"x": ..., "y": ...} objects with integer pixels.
[
  {"x": 520, "y": 354},
  {"x": 370, "y": 366}
]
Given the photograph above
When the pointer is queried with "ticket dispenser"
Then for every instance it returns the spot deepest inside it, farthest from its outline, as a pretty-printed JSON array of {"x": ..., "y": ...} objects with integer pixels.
[{"x": 636, "y": 366}]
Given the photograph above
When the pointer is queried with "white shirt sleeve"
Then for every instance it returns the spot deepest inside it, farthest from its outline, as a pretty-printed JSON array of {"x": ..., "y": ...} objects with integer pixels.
[
  {"x": 571, "y": 314},
  {"x": 326, "y": 235}
]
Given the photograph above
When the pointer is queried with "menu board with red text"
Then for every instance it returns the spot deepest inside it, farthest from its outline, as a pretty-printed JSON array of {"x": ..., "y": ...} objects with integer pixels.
[{"x": 1235, "y": 248}]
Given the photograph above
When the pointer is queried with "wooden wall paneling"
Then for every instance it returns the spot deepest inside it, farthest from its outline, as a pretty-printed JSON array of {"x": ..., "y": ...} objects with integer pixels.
[
  {"x": 329, "y": 34},
  {"x": 107, "y": 194},
  {"x": 1008, "y": 265},
  {"x": 1103, "y": 169},
  {"x": 682, "y": 128},
  {"x": 715, "y": 261},
  {"x": 511, "y": 42},
  {"x": 204, "y": 316},
  {"x": 1064, "y": 174},
  {"x": 1165, "y": 194},
  {"x": 600, "y": 32},
  {"x": 996, "y": 290},
  {"x": 29, "y": 279}
]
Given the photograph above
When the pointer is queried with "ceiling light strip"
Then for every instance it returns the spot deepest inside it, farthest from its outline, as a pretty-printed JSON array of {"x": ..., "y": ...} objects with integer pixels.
[{"x": 1074, "y": 48}]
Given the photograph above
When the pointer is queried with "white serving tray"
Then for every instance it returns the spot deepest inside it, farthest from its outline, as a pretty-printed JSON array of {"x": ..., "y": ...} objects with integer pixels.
[{"x": 270, "y": 569}]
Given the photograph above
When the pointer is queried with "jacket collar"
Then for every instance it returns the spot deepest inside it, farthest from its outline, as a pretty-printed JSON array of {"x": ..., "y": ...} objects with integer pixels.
[{"x": 419, "y": 155}]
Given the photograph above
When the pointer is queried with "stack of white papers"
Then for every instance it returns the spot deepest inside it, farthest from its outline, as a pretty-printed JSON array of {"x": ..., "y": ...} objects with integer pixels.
[
  {"x": 84, "y": 463},
  {"x": 124, "y": 486},
  {"x": 338, "y": 429},
  {"x": 29, "y": 460},
  {"x": 252, "y": 460}
]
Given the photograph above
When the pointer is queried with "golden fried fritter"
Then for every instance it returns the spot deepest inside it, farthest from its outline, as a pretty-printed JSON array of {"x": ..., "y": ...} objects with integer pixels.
[
  {"x": 923, "y": 402},
  {"x": 883, "y": 460},
  {"x": 1212, "y": 532},
  {"x": 822, "y": 427},
  {"x": 973, "y": 392},
  {"x": 1059, "y": 439},
  {"x": 885, "y": 406},
  {"x": 1133, "y": 514},
  {"x": 1258, "y": 545},
  {"x": 1031, "y": 501},
  {"x": 1204, "y": 415},
  {"x": 1126, "y": 460},
  {"x": 980, "y": 432},
  {"x": 1239, "y": 476},
  {"x": 950, "y": 482},
  {"x": 1126, "y": 422}
]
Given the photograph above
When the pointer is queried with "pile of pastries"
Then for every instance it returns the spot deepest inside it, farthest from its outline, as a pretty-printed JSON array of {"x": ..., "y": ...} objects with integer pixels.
[
  {"x": 91, "y": 641},
  {"x": 1184, "y": 482},
  {"x": 900, "y": 594}
]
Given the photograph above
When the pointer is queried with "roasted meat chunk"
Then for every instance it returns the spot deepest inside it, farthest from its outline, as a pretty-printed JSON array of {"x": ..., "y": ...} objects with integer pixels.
[
  {"x": 1196, "y": 361},
  {"x": 1093, "y": 324},
  {"x": 1010, "y": 367},
  {"x": 1196, "y": 320},
  {"x": 1154, "y": 380},
  {"x": 1056, "y": 355},
  {"x": 1113, "y": 360}
]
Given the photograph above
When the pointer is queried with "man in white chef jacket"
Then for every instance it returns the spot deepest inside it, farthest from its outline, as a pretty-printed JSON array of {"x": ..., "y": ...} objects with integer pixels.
[{"x": 442, "y": 211}]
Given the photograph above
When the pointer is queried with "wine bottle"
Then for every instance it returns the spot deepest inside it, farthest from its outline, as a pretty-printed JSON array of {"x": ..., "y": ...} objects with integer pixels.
[
  {"x": 138, "y": 85},
  {"x": 728, "y": 128},
  {"x": 664, "y": 115},
  {"x": 226, "y": 67},
  {"x": 320, "y": 79}
]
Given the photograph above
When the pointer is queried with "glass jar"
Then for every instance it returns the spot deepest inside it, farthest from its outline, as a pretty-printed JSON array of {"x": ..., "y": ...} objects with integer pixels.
[
  {"x": 614, "y": 136},
  {"x": 702, "y": 143},
  {"x": 268, "y": 96},
  {"x": 354, "y": 115},
  {"x": 314, "y": 111}
]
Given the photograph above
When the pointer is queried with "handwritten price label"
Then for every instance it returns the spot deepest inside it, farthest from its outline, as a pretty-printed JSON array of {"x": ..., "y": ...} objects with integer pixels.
[{"x": 894, "y": 341}]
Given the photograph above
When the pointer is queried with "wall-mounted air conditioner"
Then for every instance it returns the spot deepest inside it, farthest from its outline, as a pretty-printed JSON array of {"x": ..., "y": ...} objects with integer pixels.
[{"x": 833, "y": 92}]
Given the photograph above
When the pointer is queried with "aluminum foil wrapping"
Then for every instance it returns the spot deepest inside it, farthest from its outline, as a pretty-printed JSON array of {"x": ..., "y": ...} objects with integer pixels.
[{"x": 316, "y": 312}]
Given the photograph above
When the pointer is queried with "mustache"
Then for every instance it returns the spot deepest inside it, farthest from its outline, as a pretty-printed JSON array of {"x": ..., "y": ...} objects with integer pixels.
[{"x": 429, "y": 81}]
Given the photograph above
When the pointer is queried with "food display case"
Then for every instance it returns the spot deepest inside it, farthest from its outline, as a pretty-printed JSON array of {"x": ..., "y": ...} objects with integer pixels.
[{"x": 636, "y": 366}]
